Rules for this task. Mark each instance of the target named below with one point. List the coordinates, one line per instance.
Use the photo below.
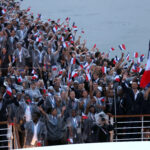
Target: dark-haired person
(5, 59)
(55, 125)
(74, 128)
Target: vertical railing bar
(142, 129)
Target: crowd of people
(57, 89)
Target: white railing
(131, 127)
(6, 142)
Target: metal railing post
(142, 129)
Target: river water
(107, 23)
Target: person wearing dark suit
(138, 99)
(5, 59)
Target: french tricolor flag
(122, 47)
(84, 116)
(104, 70)
(136, 54)
(55, 28)
(58, 21)
(102, 99)
(34, 77)
(139, 69)
(65, 44)
(62, 39)
(94, 46)
(74, 74)
(39, 16)
(19, 79)
(86, 65)
(128, 57)
(73, 61)
(134, 68)
(54, 68)
(60, 72)
(28, 9)
(9, 91)
(71, 38)
(88, 77)
(36, 34)
(44, 91)
(112, 49)
(81, 66)
(138, 61)
(75, 28)
(142, 58)
(70, 140)
(115, 60)
(67, 19)
(88, 69)
(33, 71)
(145, 80)
(117, 78)
(3, 11)
(38, 39)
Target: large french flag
(145, 80)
